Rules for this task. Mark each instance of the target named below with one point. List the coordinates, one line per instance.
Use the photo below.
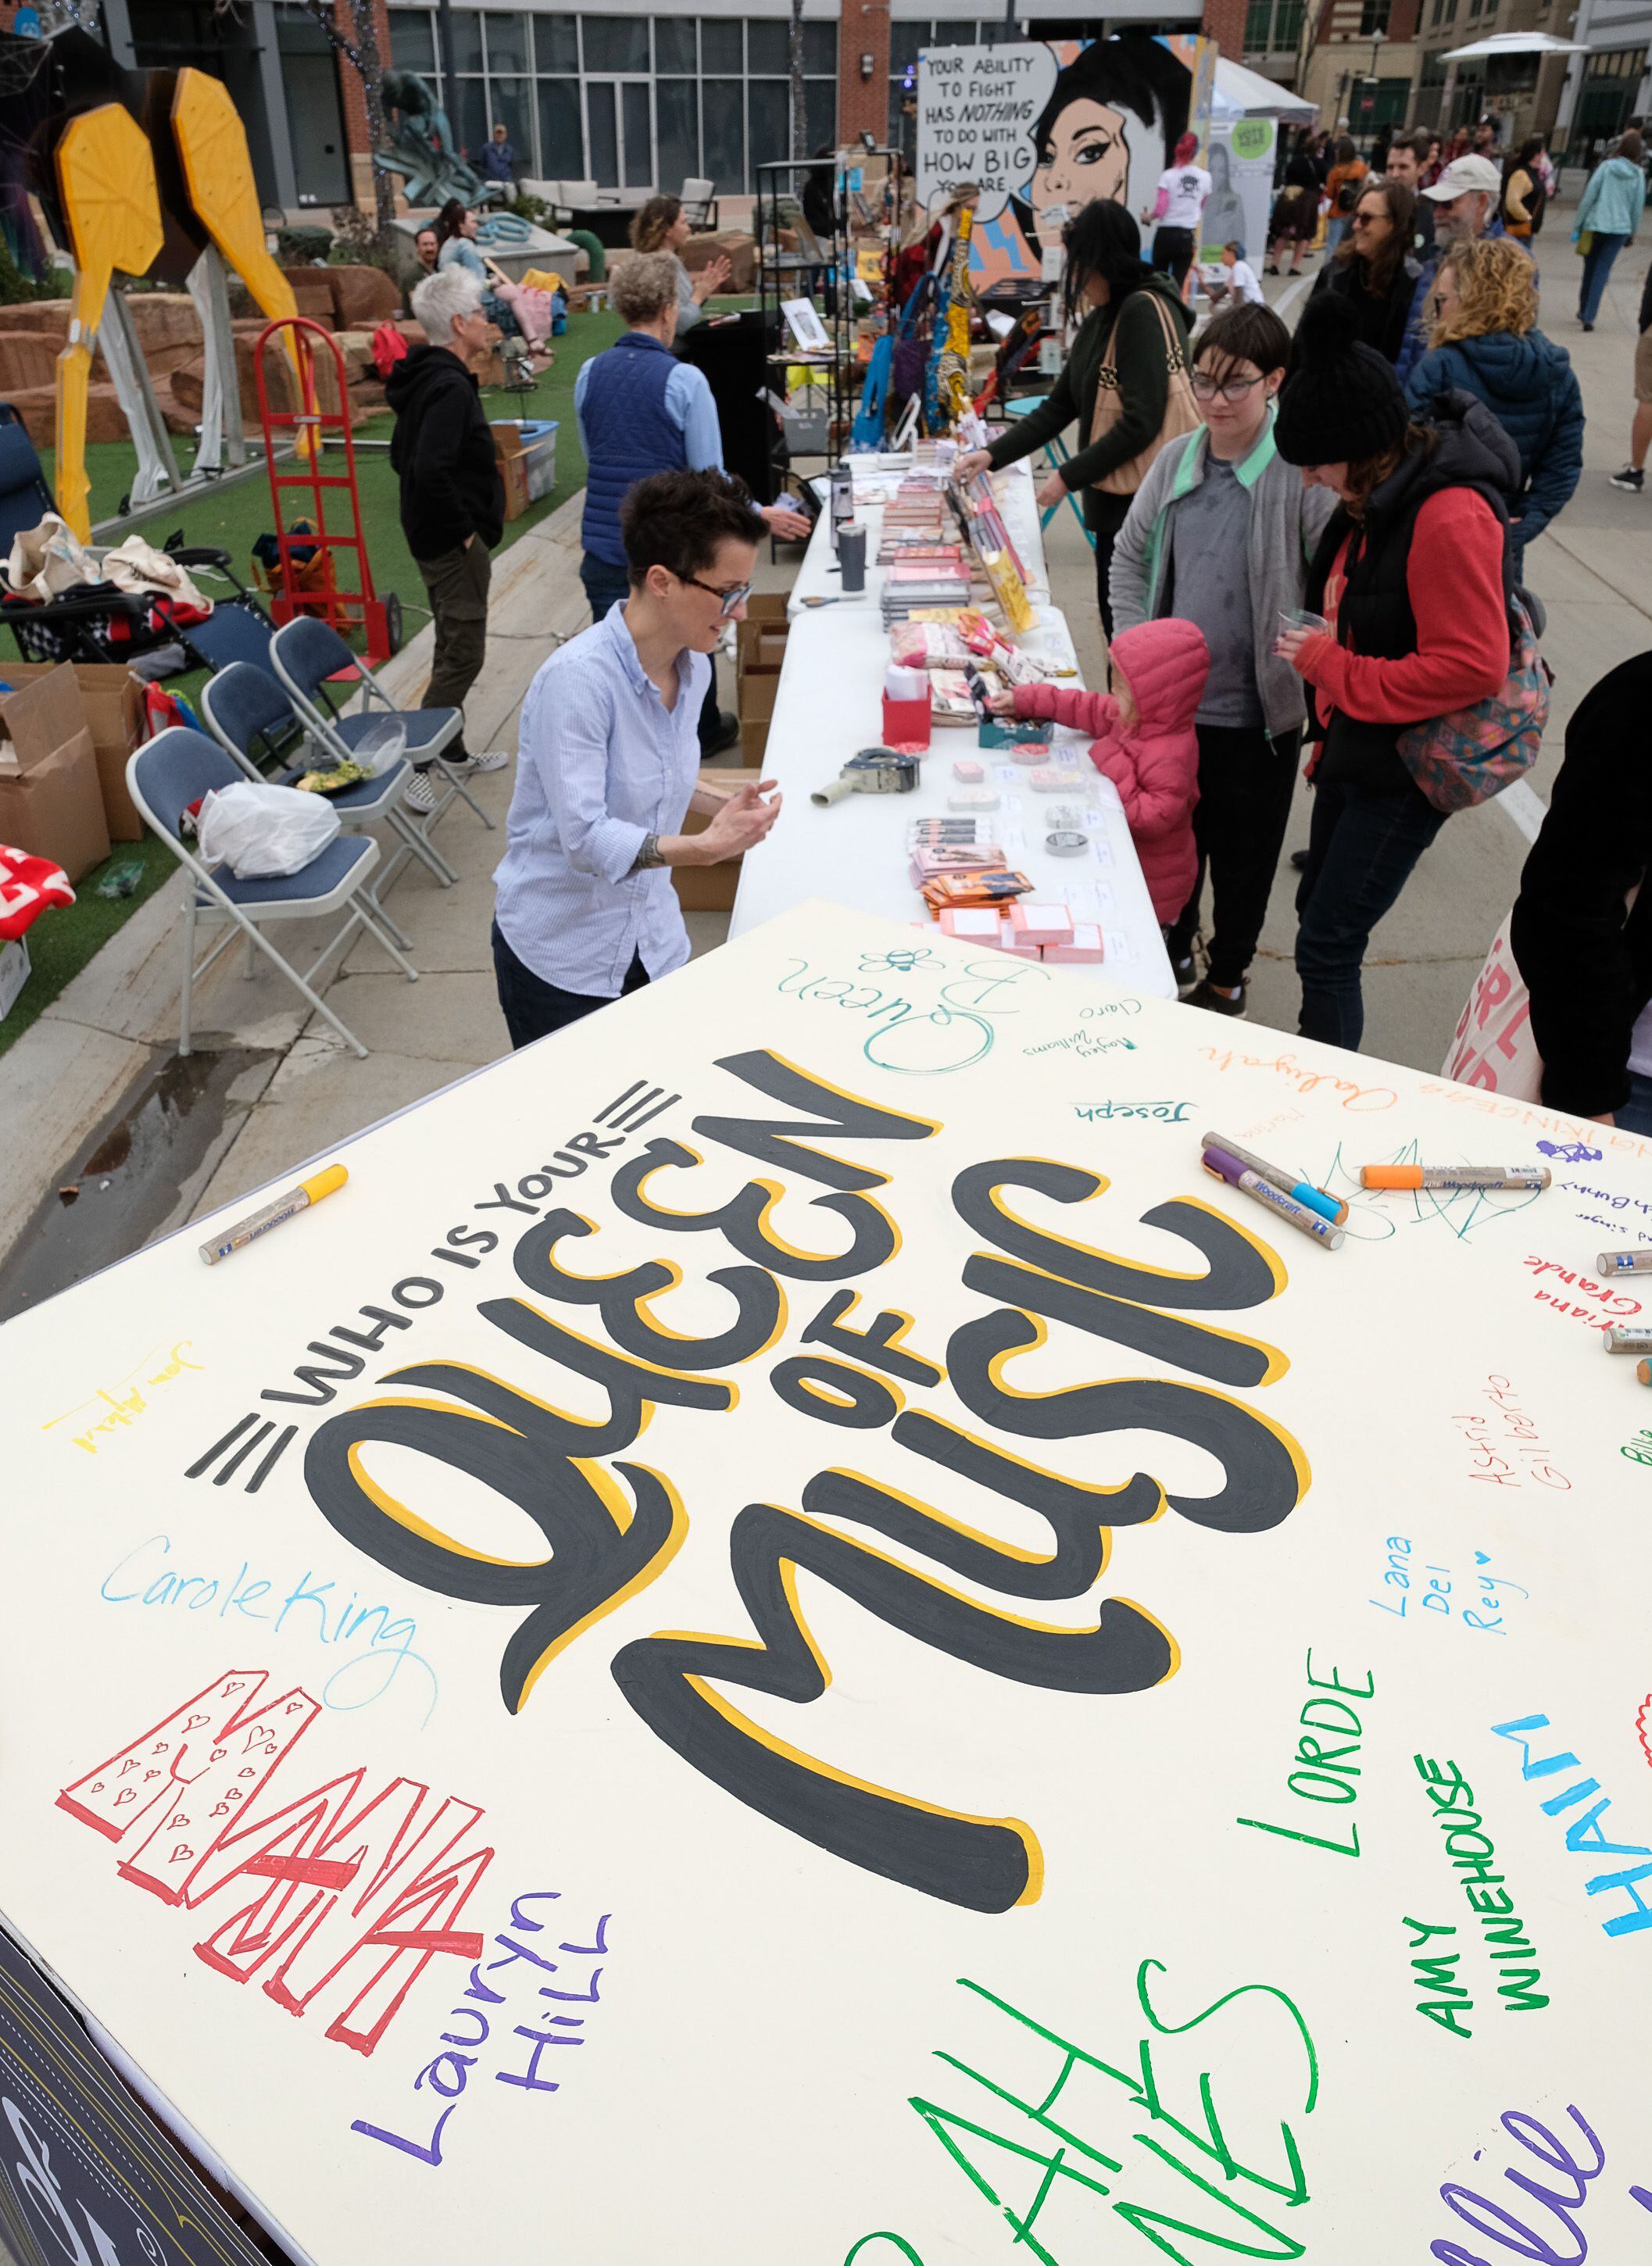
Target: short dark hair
(1245, 334)
(676, 520)
(1418, 142)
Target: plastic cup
(1299, 617)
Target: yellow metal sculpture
(218, 172)
(106, 178)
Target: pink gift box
(971, 924)
(1083, 951)
(1017, 947)
(1040, 924)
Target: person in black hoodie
(452, 498)
(1372, 267)
(1414, 576)
(1585, 953)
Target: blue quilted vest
(627, 434)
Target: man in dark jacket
(452, 499)
(1586, 954)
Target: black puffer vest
(1374, 616)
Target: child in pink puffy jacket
(1144, 742)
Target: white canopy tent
(1513, 43)
(1241, 94)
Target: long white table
(829, 705)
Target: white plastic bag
(262, 832)
(1493, 1047)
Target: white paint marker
(1625, 1263)
(288, 1207)
(1629, 1337)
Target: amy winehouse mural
(1107, 126)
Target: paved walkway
(284, 1092)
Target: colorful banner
(1045, 128)
(784, 1637)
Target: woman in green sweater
(1120, 303)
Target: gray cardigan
(1286, 522)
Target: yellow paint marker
(286, 1207)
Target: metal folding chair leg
(370, 923)
(415, 842)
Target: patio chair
(175, 769)
(251, 716)
(102, 624)
(699, 202)
(309, 658)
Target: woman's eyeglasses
(727, 599)
(1368, 220)
(1230, 389)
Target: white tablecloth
(829, 705)
(877, 478)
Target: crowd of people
(1312, 543)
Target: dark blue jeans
(605, 586)
(1635, 1116)
(1362, 848)
(533, 1008)
(1597, 268)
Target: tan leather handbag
(1181, 411)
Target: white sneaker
(494, 760)
(422, 793)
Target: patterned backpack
(1474, 753)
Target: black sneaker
(1631, 478)
(1299, 859)
(1206, 995)
(726, 735)
(1187, 975)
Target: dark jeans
(1103, 568)
(1635, 1115)
(1173, 253)
(1362, 848)
(533, 1008)
(458, 584)
(1244, 788)
(1598, 262)
(607, 586)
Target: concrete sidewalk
(93, 1093)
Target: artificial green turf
(61, 943)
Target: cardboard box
(49, 800)
(760, 640)
(754, 742)
(526, 455)
(113, 702)
(711, 888)
(759, 693)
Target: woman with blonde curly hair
(662, 225)
(1486, 342)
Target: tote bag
(1492, 1047)
(1181, 411)
(1474, 753)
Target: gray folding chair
(251, 716)
(175, 769)
(309, 657)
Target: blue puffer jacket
(1528, 384)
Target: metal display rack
(820, 270)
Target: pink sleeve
(1080, 712)
(1162, 203)
(1454, 580)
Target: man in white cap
(1466, 199)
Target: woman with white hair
(641, 410)
(452, 499)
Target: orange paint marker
(1455, 1176)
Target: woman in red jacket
(1145, 742)
(1413, 577)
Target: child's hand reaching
(1002, 704)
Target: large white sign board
(783, 1635)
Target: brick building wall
(863, 103)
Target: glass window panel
(602, 134)
(617, 43)
(768, 49)
(507, 103)
(467, 40)
(770, 121)
(470, 125)
(506, 44)
(412, 43)
(820, 50)
(639, 138)
(724, 137)
(677, 122)
(673, 44)
(1258, 16)
(720, 49)
(819, 111)
(905, 40)
(957, 32)
(561, 143)
(555, 44)
(1287, 25)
